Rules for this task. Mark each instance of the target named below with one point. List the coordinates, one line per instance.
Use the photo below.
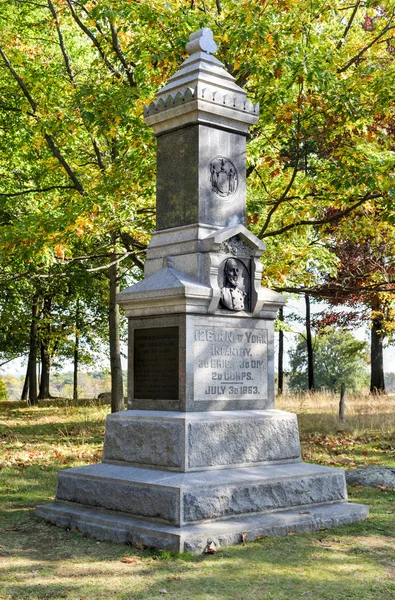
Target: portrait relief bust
(233, 296)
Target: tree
(364, 284)
(338, 358)
(77, 161)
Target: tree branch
(350, 22)
(51, 144)
(61, 42)
(38, 190)
(339, 291)
(331, 219)
(93, 39)
(355, 58)
(19, 80)
(10, 359)
(56, 152)
(283, 196)
(118, 51)
(98, 155)
(15, 109)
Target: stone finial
(201, 41)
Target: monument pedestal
(201, 456)
(219, 477)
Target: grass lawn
(38, 560)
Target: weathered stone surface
(372, 476)
(245, 498)
(184, 192)
(120, 489)
(123, 529)
(144, 441)
(256, 437)
(181, 498)
(216, 440)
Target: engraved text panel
(230, 363)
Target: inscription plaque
(156, 363)
(230, 363)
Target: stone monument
(201, 456)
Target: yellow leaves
(139, 107)
(59, 251)
(286, 112)
(82, 223)
(370, 136)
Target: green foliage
(77, 162)
(338, 358)
(3, 390)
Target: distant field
(40, 561)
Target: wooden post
(342, 403)
(280, 384)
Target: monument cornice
(225, 112)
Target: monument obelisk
(201, 456)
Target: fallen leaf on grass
(262, 537)
(210, 548)
(130, 560)
(291, 533)
(176, 577)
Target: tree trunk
(117, 400)
(44, 349)
(310, 355)
(377, 383)
(32, 366)
(25, 389)
(342, 402)
(280, 381)
(76, 352)
(45, 372)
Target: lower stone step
(184, 498)
(123, 529)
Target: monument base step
(186, 498)
(123, 529)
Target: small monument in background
(201, 456)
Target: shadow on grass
(287, 568)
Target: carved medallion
(223, 177)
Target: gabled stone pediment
(236, 241)
(166, 282)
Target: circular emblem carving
(223, 177)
